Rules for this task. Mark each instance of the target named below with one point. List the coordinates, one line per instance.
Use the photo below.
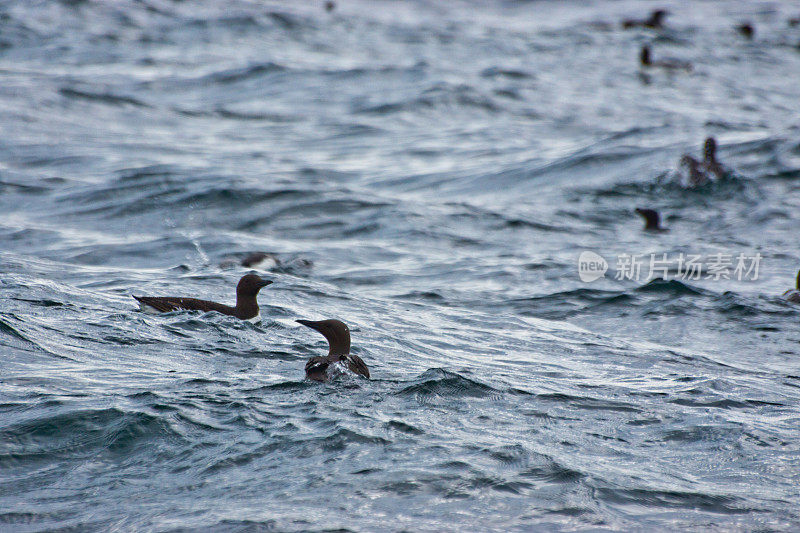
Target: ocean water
(428, 172)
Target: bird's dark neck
(246, 305)
(338, 346)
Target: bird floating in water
(656, 20)
(323, 368)
(246, 307)
(710, 163)
(265, 261)
(746, 30)
(695, 177)
(652, 219)
(646, 60)
(699, 173)
(260, 260)
(793, 295)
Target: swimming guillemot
(656, 20)
(695, 177)
(698, 173)
(338, 335)
(261, 260)
(246, 303)
(254, 260)
(669, 64)
(746, 30)
(652, 219)
(793, 295)
(265, 261)
(710, 164)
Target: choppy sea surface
(428, 172)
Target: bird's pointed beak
(309, 323)
(265, 282)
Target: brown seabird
(694, 174)
(746, 30)
(253, 260)
(669, 64)
(656, 20)
(246, 306)
(338, 335)
(265, 261)
(652, 219)
(793, 295)
(710, 163)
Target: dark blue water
(441, 165)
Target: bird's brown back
(172, 303)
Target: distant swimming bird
(656, 20)
(710, 164)
(694, 174)
(793, 295)
(698, 173)
(246, 304)
(323, 368)
(670, 64)
(330, 5)
(254, 260)
(260, 260)
(265, 261)
(652, 219)
(746, 30)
